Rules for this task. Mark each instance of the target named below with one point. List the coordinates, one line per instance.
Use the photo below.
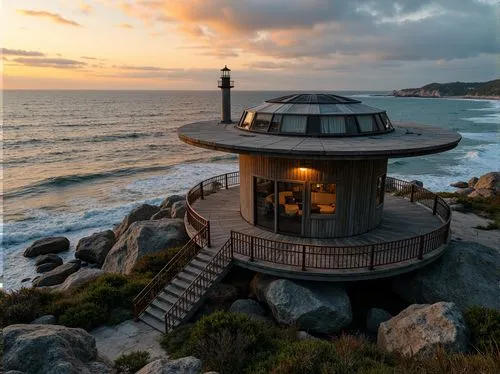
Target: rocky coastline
(415, 314)
(464, 90)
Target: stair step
(152, 321)
(167, 298)
(162, 304)
(180, 283)
(173, 290)
(156, 312)
(186, 276)
(204, 257)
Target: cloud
(146, 68)
(58, 63)
(21, 52)
(125, 26)
(86, 8)
(54, 17)
(89, 58)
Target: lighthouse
(225, 84)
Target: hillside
(483, 89)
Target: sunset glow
(305, 44)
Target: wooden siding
(356, 181)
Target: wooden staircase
(179, 299)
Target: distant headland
(474, 90)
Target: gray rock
(464, 191)
(460, 184)
(48, 319)
(421, 328)
(489, 181)
(222, 292)
(48, 258)
(179, 209)
(48, 266)
(164, 213)
(43, 246)
(56, 276)
(417, 183)
(77, 279)
(142, 238)
(247, 306)
(375, 317)
(472, 182)
(25, 280)
(94, 248)
(302, 335)
(169, 201)
(466, 274)
(48, 349)
(316, 307)
(141, 213)
(185, 365)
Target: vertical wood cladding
(356, 181)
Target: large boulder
(43, 246)
(179, 209)
(94, 248)
(460, 184)
(472, 182)
(312, 306)
(50, 349)
(141, 238)
(482, 192)
(247, 306)
(422, 328)
(48, 258)
(185, 365)
(467, 274)
(170, 200)
(375, 317)
(75, 280)
(489, 181)
(164, 213)
(464, 191)
(48, 266)
(48, 319)
(141, 213)
(56, 276)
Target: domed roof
(315, 115)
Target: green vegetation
(488, 207)
(131, 362)
(484, 324)
(233, 343)
(490, 88)
(105, 300)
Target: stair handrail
(204, 280)
(169, 271)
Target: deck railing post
(201, 191)
(303, 257)
(434, 208)
(208, 234)
(227, 186)
(251, 249)
(372, 256)
(421, 248)
(232, 244)
(412, 192)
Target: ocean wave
(491, 137)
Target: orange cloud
(125, 26)
(54, 17)
(85, 8)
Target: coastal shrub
(488, 207)
(24, 305)
(86, 316)
(131, 362)
(484, 325)
(152, 263)
(175, 342)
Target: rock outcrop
(490, 181)
(56, 276)
(48, 258)
(94, 248)
(421, 328)
(185, 365)
(251, 308)
(141, 238)
(316, 307)
(375, 317)
(44, 246)
(47, 319)
(170, 200)
(141, 213)
(164, 213)
(75, 280)
(467, 274)
(50, 349)
(472, 182)
(179, 209)
(488, 185)
(460, 184)
(48, 266)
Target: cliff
(476, 89)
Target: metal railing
(169, 271)
(199, 286)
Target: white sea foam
(493, 116)
(491, 137)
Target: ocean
(76, 162)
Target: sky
(268, 44)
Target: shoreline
(486, 98)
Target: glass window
(351, 125)
(264, 202)
(380, 189)
(294, 124)
(275, 123)
(332, 125)
(262, 121)
(247, 121)
(380, 123)
(313, 125)
(323, 198)
(366, 123)
(387, 122)
(290, 203)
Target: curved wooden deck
(404, 223)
